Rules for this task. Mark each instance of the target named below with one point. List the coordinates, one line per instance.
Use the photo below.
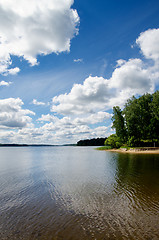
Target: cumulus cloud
(35, 102)
(81, 113)
(69, 129)
(148, 43)
(83, 98)
(48, 134)
(4, 83)
(12, 115)
(27, 30)
(12, 71)
(120, 62)
(131, 77)
(47, 118)
(90, 119)
(73, 132)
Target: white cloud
(70, 129)
(5, 63)
(4, 83)
(12, 115)
(84, 107)
(13, 71)
(35, 102)
(48, 134)
(72, 132)
(47, 118)
(78, 60)
(120, 62)
(92, 118)
(86, 98)
(74, 121)
(99, 131)
(148, 43)
(132, 75)
(36, 28)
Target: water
(76, 193)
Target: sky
(64, 64)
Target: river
(78, 193)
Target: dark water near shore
(76, 193)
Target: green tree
(155, 105)
(144, 115)
(118, 124)
(114, 141)
(139, 121)
(131, 112)
(154, 126)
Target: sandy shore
(135, 151)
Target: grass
(126, 147)
(104, 148)
(109, 147)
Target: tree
(114, 141)
(141, 118)
(155, 105)
(154, 126)
(118, 124)
(144, 115)
(131, 112)
(91, 142)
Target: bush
(113, 141)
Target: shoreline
(134, 151)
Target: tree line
(138, 123)
(92, 142)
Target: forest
(91, 142)
(137, 124)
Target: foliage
(118, 124)
(92, 142)
(155, 105)
(113, 141)
(155, 116)
(136, 125)
(138, 117)
(104, 148)
(139, 120)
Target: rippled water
(71, 193)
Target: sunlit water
(71, 193)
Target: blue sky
(64, 64)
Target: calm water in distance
(78, 193)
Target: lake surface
(76, 193)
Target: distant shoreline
(34, 145)
(25, 145)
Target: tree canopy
(92, 142)
(138, 122)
